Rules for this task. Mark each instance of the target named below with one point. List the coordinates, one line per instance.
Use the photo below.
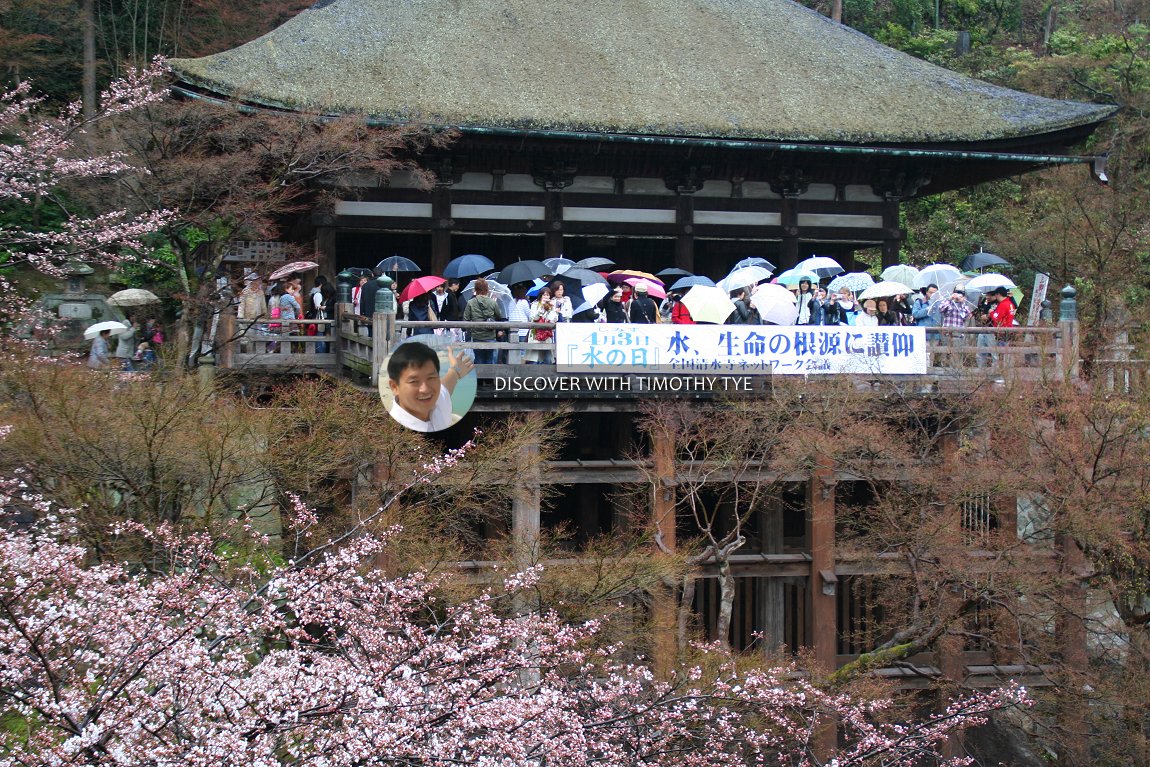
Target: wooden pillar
(949, 649)
(664, 615)
(770, 607)
(789, 218)
(226, 339)
(823, 582)
(553, 221)
(442, 224)
(525, 524)
(1070, 629)
(325, 251)
(382, 327)
(685, 233)
(892, 233)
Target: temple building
(658, 133)
(691, 133)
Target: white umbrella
(856, 282)
(945, 276)
(985, 282)
(744, 278)
(776, 304)
(559, 264)
(708, 304)
(497, 290)
(823, 266)
(885, 289)
(595, 293)
(903, 273)
(94, 330)
(133, 297)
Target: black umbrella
(673, 273)
(467, 266)
(981, 260)
(574, 280)
(523, 271)
(398, 264)
(595, 263)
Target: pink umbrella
(419, 286)
(653, 288)
(294, 266)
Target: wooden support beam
(441, 227)
(664, 612)
(525, 507)
(823, 584)
(685, 233)
(553, 223)
(770, 606)
(893, 234)
(789, 254)
(325, 251)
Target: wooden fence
(349, 347)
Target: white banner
(739, 349)
(1041, 285)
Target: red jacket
(1002, 315)
(680, 315)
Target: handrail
(1032, 353)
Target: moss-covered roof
(767, 69)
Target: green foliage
(934, 45)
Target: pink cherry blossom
(327, 661)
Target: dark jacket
(367, 298)
(615, 311)
(643, 310)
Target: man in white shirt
(422, 399)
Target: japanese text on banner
(740, 349)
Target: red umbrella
(294, 266)
(419, 286)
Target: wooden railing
(282, 345)
(349, 346)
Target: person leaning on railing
(483, 308)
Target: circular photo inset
(428, 383)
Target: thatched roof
(766, 69)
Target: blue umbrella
(467, 266)
(398, 264)
(692, 281)
(537, 288)
(754, 261)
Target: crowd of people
(132, 350)
(283, 308)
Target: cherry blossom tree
(233, 656)
(43, 155)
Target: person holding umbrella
(561, 301)
(126, 344)
(613, 308)
(483, 308)
(98, 357)
(643, 309)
